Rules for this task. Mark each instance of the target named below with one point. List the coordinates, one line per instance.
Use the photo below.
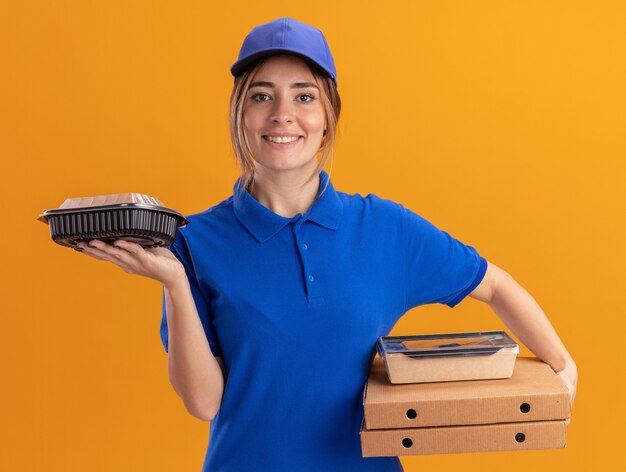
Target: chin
(285, 163)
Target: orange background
(501, 122)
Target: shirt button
(311, 278)
(305, 247)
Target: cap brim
(240, 67)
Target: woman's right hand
(155, 262)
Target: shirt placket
(310, 276)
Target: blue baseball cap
(285, 35)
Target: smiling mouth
(282, 139)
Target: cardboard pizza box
(463, 439)
(533, 393)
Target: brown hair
(330, 101)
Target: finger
(139, 250)
(104, 252)
(114, 253)
(93, 252)
(128, 246)
(103, 256)
(160, 251)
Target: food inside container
(133, 217)
(448, 357)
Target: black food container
(133, 217)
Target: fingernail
(91, 245)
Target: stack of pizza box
(453, 402)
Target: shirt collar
(263, 223)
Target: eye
(259, 97)
(309, 97)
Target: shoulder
(371, 206)
(204, 223)
(217, 211)
(369, 203)
(380, 211)
(216, 214)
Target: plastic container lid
(113, 201)
(430, 346)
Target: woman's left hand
(569, 376)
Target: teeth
(277, 139)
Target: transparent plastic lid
(447, 345)
(112, 199)
(108, 202)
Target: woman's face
(283, 116)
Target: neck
(286, 193)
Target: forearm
(524, 317)
(194, 372)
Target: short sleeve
(180, 250)
(441, 269)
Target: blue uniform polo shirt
(295, 305)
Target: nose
(282, 111)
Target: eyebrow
(294, 85)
